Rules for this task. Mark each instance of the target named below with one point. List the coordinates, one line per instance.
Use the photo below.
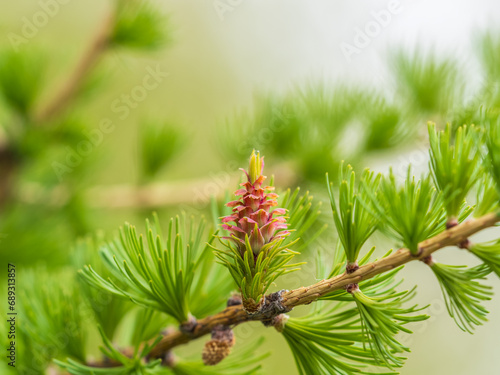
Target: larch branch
(75, 81)
(235, 315)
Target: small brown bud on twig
(351, 267)
(234, 300)
(189, 326)
(219, 347)
(215, 351)
(351, 288)
(465, 244)
(279, 322)
(428, 260)
(168, 359)
(452, 222)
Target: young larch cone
(219, 347)
(254, 221)
(215, 351)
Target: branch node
(351, 267)
(418, 254)
(428, 260)
(351, 288)
(464, 244)
(234, 300)
(452, 222)
(253, 308)
(189, 326)
(279, 322)
(273, 307)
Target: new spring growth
(255, 224)
(255, 251)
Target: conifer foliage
(350, 329)
(148, 289)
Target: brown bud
(351, 267)
(428, 260)
(215, 351)
(219, 347)
(352, 288)
(452, 222)
(223, 333)
(279, 322)
(168, 359)
(189, 326)
(234, 300)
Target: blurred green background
(241, 75)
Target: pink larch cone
(253, 216)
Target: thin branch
(193, 192)
(449, 237)
(9, 162)
(230, 316)
(75, 81)
(235, 314)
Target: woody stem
(234, 315)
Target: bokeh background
(278, 76)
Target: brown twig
(234, 315)
(73, 84)
(9, 162)
(194, 192)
